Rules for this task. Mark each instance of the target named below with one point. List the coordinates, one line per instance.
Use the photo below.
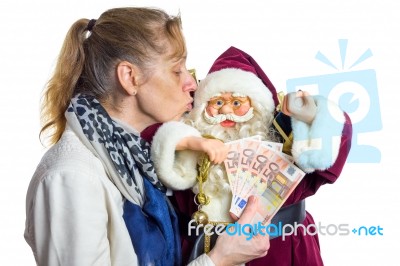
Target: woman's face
(166, 94)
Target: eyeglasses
(235, 102)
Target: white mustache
(214, 120)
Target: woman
(95, 198)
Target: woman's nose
(190, 84)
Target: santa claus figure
(237, 100)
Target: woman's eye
(178, 72)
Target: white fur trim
(316, 146)
(237, 81)
(163, 154)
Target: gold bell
(200, 217)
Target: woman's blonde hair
(88, 57)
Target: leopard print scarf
(126, 155)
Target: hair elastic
(91, 24)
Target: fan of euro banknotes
(256, 167)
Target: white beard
(260, 124)
(217, 186)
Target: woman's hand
(236, 249)
(216, 150)
(300, 105)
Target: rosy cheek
(243, 109)
(211, 111)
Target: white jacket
(74, 212)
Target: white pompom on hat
(237, 72)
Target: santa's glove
(300, 105)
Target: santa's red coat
(295, 250)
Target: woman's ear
(128, 76)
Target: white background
(283, 37)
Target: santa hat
(236, 71)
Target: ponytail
(60, 88)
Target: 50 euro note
(244, 174)
(276, 179)
(232, 162)
(250, 162)
(276, 146)
(263, 155)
